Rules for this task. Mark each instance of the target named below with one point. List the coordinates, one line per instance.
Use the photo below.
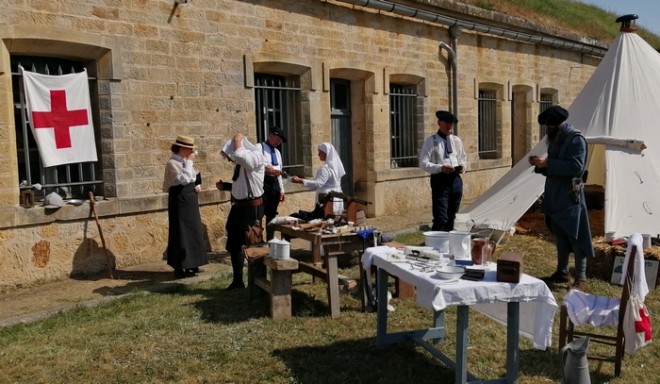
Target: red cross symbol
(643, 325)
(60, 119)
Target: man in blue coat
(563, 200)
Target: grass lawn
(201, 334)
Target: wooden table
(526, 308)
(333, 245)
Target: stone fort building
(367, 76)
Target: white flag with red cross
(60, 115)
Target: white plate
(444, 281)
(75, 202)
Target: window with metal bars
(69, 180)
(545, 103)
(487, 124)
(404, 140)
(277, 103)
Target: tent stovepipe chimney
(626, 21)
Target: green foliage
(584, 19)
(485, 4)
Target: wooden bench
(260, 268)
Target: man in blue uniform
(563, 199)
(443, 156)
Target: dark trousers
(565, 245)
(271, 196)
(446, 194)
(240, 218)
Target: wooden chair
(567, 331)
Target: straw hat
(184, 141)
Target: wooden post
(280, 286)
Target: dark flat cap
(278, 132)
(554, 115)
(446, 116)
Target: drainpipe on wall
(451, 50)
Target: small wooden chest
(509, 267)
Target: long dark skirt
(185, 243)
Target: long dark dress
(185, 244)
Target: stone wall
(163, 69)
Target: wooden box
(509, 267)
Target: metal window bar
(72, 180)
(545, 103)
(277, 102)
(487, 124)
(403, 126)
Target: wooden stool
(256, 268)
(279, 285)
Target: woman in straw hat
(185, 244)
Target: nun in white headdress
(328, 177)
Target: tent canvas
(617, 113)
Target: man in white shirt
(443, 156)
(247, 198)
(273, 185)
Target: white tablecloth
(537, 309)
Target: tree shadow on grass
(360, 361)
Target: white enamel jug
(460, 245)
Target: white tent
(618, 113)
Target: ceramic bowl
(448, 272)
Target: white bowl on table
(448, 272)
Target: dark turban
(554, 115)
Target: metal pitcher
(575, 367)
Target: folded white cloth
(585, 308)
(283, 220)
(228, 148)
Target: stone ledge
(17, 216)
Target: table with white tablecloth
(526, 308)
